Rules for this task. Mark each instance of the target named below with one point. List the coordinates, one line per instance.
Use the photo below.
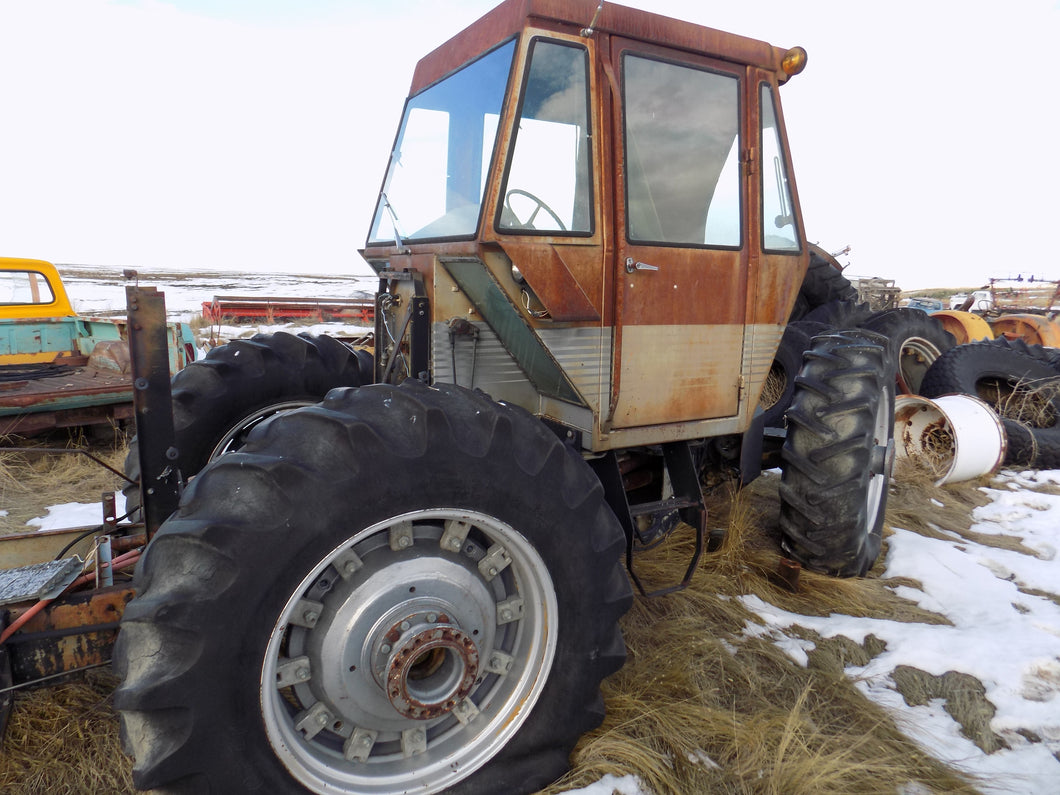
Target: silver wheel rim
(409, 655)
(914, 359)
(236, 436)
(882, 461)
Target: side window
(548, 184)
(681, 126)
(25, 287)
(779, 232)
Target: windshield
(437, 175)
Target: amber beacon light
(794, 61)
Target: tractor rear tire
(402, 588)
(916, 340)
(823, 283)
(219, 399)
(838, 454)
(839, 314)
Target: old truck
(403, 571)
(58, 369)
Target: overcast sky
(253, 134)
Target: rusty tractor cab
(588, 242)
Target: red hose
(121, 562)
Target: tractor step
(38, 581)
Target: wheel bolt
(432, 617)
(385, 648)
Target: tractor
(403, 570)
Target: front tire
(399, 589)
(838, 454)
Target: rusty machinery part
(964, 326)
(824, 282)
(1033, 329)
(1023, 388)
(916, 340)
(218, 400)
(838, 454)
(389, 594)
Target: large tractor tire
(1021, 385)
(219, 399)
(839, 314)
(838, 454)
(824, 282)
(1049, 355)
(915, 341)
(400, 589)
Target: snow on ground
(1005, 632)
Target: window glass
(434, 184)
(25, 287)
(548, 184)
(681, 127)
(779, 232)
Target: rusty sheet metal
(675, 373)
(571, 16)
(549, 271)
(69, 389)
(77, 632)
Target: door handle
(632, 265)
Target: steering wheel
(539, 206)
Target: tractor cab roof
(588, 17)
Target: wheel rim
(409, 655)
(237, 434)
(914, 359)
(881, 464)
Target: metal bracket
(687, 500)
(153, 402)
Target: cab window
(681, 131)
(547, 187)
(779, 232)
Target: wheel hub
(430, 670)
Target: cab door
(681, 281)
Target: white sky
(252, 135)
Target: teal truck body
(58, 369)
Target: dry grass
(30, 481)
(699, 707)
(63, 740)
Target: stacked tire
(1020, 381)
